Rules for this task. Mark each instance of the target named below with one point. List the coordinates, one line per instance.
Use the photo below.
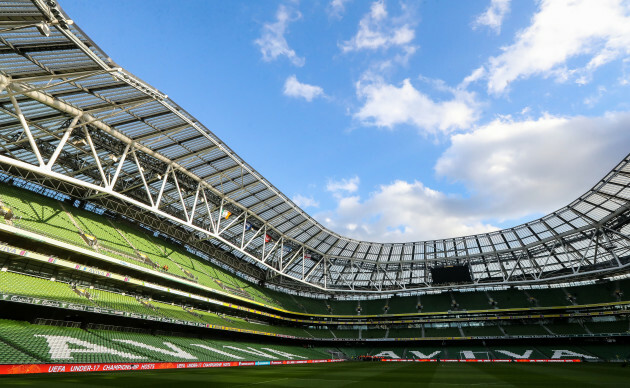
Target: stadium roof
(70, 113)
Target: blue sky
(394, 120)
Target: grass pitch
(364, 375)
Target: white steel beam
(26, 128)
(62, 142)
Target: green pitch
(364, 375)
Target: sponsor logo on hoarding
(119, 367)
(12, 250)
(21, 299)
(56, 368)
(84, 368)
(528, 354)
(50, 303)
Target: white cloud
(304, 202)
(493, 16)
(336, 8)
(477, 74)
(272, 43)
(591, 32)
(512, 170)
(388, 105)
(377, 31)
(517, 168)
(294, 88)
(593, 99)
(402, 211)
(344, 185)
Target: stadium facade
(120, 209)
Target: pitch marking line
(262, 382)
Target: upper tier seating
(348, 307)
(548, 297)
(596, 293)
(436, 302)
(41, 288)
(65, 222)
(401, 305)
(507, 299)
(373, 306)
(25, 285)
(477, 300)
(121, 240)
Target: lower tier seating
(24, 343)
(21, 342)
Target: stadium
(136, 246)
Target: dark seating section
(436, 302)
(620, 326)
(344, 307)
(526, 329)
(373, 306)
(373, 333)
(482, 331)
(476, 300)
(567, 328)
(415, 332)
(547, 297)
(596, 293)
(441, 332)
(402, 304)
(507, 299)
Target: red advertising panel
(62, 368)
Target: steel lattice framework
(73, 120)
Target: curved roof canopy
(73, 120)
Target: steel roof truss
(26, 128)
(164, 179)
(181, 197)
(85, 74)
